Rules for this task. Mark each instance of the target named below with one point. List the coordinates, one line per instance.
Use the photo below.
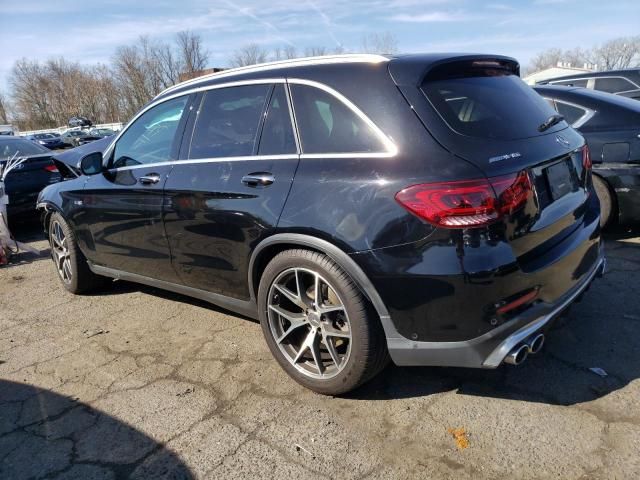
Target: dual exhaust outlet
(520, 352)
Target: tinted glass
(328, 126)
(488, 104)
(613, 85)
(150, 137)
(572, 83)
(17, 147)
(277, 134)
(570, 113)
(228, 121)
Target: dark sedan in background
(75, 138)
(620, 82)
(25, 182)
(611, 126)
(47, 140)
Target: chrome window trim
(391, 149)
(586, 116)
(294, 62)
(291, 156)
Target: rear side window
(228, 121)
(614, 84)
(327, 125)
(487, 102)
(571, 113)
(277, 134)
(572, 83)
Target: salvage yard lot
(143, 383)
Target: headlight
(41, 142)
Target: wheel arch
(615, 212)
(268, 248)
(47, 209)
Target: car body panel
(208, 235)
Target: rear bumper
(489, 350)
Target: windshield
(488, 103)
(9, 147)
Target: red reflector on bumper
(526, 298)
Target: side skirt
(242, 307)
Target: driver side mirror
(91, 164)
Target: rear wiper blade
(550, 122)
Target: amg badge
(504, 157)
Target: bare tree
(382, 43)
(286, 52)
(249, 55)
(316, 51)
(618, 53)
(4, 109)
(191, 52)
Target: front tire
(71, 264)
(318, 325)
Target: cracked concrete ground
(139, 383)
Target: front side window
(228, 121)
(327, 125)
(614, 84)
(150, 136)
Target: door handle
(258, 179)
(149, 179)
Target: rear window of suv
(487, 102)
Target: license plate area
(554, 181)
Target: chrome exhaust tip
(535, 343)
(517, 355)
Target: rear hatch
(479, 109)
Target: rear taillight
(467, 203)
(586, 158)
(51, 168)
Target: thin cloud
(327, 22)
(433, 17)
(275, 31)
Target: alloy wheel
(309, 323)
(60, 252)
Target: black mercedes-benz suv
(428, 208)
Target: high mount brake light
(467, 203)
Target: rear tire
(318, 325)
(606, 200)
(71, 264)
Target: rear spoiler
(411, 70)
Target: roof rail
(322, 60)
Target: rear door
(227, 192)
(122, 207)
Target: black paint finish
(198, 229)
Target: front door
(123, 206)
(229, 190)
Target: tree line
(618, 53)
(46, 94)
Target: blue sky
(90, 31)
